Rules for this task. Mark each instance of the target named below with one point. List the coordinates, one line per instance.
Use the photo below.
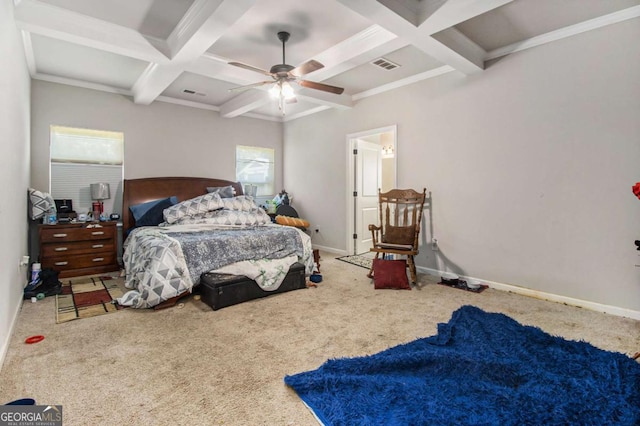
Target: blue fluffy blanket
(481, 369)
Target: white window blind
(256, 165)
(80, 157)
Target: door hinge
(355, 193)
(355, 151)
(355, 236)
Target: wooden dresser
(79, 248)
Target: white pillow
(41, 203)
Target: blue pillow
(223, 191)
(140, 209)
(153, 216)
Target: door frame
(351, 177)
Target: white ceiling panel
(207, 90)
(156, 18)
(315, 26)
(158, 48)
(59, 58)
(410, 61)
(523, 19)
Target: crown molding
(591, 24)
(28, 52)
(51, 21)
(81, 84)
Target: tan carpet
(194, 366)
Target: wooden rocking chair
(400, 219)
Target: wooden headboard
(138, 191)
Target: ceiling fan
(283, 75)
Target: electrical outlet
(24, 261)
(434, 244)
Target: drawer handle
(61, 263)
(97, 246)
(97, 233)
(59, 235)
(98, 259)
(61, 249)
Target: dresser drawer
(55, 234)
(77, 247)
(80, 261)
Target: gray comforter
(164, 262)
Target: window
(80, 157)
(255, 165)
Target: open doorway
(371, 164)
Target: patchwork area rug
(483, 369)
(85, 297)
(357, 259)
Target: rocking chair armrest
(376, 232)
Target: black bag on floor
(47, 284)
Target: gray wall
(160, 139)
(14, 172)
(530, 165)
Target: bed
(203, 229)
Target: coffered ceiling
(179, 50)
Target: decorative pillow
(139, 210)
(200, 204)
(292, 221)
(154, 216)
(227, 217)
(399, 234)
(224, 191)
(390, 274)
(41, 203)
(241, 202)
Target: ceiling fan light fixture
(275, 91)
(286, 90)
(283, 74)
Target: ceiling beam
(245, 102)
(214, 66)
(50, 21)
(326, 99)
(453, 12)
(367, 45)
(418, 24)
(203, 24)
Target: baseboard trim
(5, 345)
(598, 307)
(330, 250)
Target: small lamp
(99, 192)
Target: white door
(368, 178)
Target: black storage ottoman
(222, 290)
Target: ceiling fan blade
(306, 68)
(250, 68)
(250, 86)
(320, 86)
